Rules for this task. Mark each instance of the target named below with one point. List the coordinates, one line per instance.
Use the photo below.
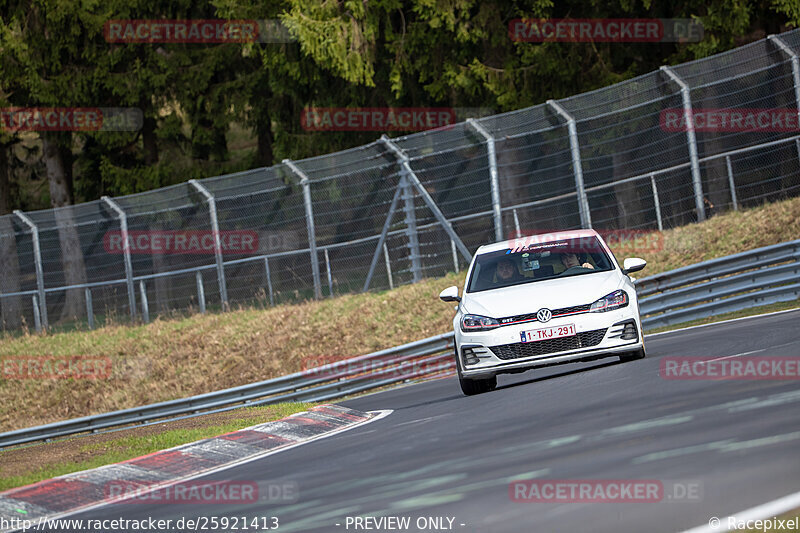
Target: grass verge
(174, 358)
(24, 465)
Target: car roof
(539, 238)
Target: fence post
(269, 281)
(312, 237)
(388, 266)
(795, 66)
(328, 270)
(201, 291)
(382, 238)
(37, 320)
(795, 74)
(516, 225)
(126, 252)
(577, 168)
(145, 308)
(89, 309)
(656, 201)
(692, 141)
(731, 183)
(455, 255)
(426, 197)
(493, 181)
(411, 226)
(212, 210)
(37, 259)
(797, 144)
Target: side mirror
(450, 294)
(633, 264)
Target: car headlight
(609, 302)
(478, 323)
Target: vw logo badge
(544, 315)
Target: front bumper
(500, 351)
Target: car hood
(553, 294)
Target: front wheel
(471, 387)
(632, 356)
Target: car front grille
(518, 350)
(556, 313)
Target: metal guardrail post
(692, 141)
(212, 210)
(577, 168)
(312, 237)
(493, 180)
(37, 259)
(517, 231)
(126, 252)
(656, 202)
(426, 197)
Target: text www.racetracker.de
(200, 523)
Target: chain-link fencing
(661, 150)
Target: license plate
(544, 334)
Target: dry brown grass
(175, 358)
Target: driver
(570, 260)
(506, 271)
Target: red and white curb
(82, 490)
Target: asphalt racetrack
(717, 447)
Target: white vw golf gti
(540, 301)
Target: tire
(632, 356)
(471, 387)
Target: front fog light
(469, 357)
(629, 332)
(625, 330)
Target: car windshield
(538, 262)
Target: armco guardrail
(758, 277)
